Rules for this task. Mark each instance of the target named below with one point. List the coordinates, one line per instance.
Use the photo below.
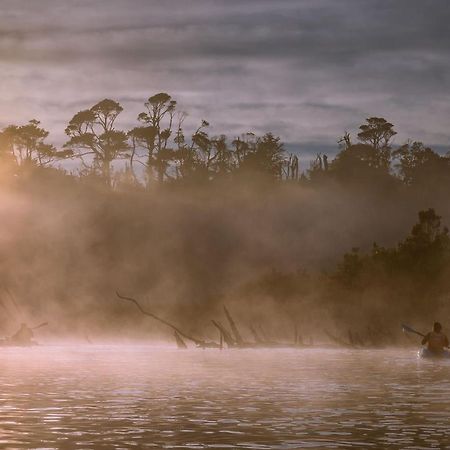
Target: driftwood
(224, 334)
(234, 329)
(43, 324)
(180, 343)
(198, 342)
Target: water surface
(118, 397)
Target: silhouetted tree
(92, 132)
(345, 141)
(418, 259)
(426, 251)
(26, 145)
(378, 132)
(158, 118)
(223, 162)
(359, 163)
(265, 156)
(420, 165)
(292, 167)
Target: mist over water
(155, 397)
(68, 246)
(224, 225)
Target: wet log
(234, 329)
(225, 334)
(200, 343)
(180, 343)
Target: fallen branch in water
(43, 324)
(180, 343)
(234, 328)
(226, 336)
(197, 342)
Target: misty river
(91, 397)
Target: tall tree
(26, 144)
(378, 133)
(92, 132)
(264, 155)
(420, 165)
(158, 119)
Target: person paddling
(435, 340)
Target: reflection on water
(145, 397)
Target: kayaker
(23, 336)
(435, 340)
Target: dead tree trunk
(234, 329)
(198, 342)
(180, 343)
(225, 334)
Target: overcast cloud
(306, 70)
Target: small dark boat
(424, 353)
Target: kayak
(426, 354)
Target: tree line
(261, 229)
(157, 150)
(368, 294)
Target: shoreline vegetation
(344, 249)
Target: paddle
(43, 324)
(408, 329)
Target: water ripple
(109, 397)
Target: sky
(305, 70)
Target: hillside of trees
(349, 246)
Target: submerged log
(198, 342)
